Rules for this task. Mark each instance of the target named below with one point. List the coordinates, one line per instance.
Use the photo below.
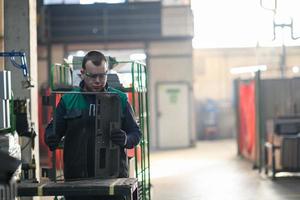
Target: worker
(74, 119)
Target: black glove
(51, 139)
(118, 136)
(53, 142)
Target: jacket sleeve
(56, 128)
(131, 128)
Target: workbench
(126, 187)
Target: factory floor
(212, 171)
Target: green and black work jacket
(75, 119)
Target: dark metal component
(260, 121)
(8, 167)
(290, 153)
(22, 117)
(126, 187)
(8, 191)
(108, 118)
(28, 171)
(53, 169)
(282, 61)
(237, 113)
(287, 125)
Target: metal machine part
(26, 83)
(22, 117)
(108, 117)
(26, 139)
(7, 183)
(287, 125)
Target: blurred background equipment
(210, 121)
(21, 64)
(8, 189)
(282, 147)
(27, 135)
(16, 133)
(267, 123)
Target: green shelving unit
(140, 104)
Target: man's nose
(98, 79)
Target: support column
(20, 35)
(1, 33)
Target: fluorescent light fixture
(70, 58)
(137, 56)
(248, 69)
(80, 53)
(295, 69)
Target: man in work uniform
(75, 119)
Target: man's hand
(118, 136)
(52, 142)
(51, 139)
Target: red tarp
(247, 119)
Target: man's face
(94, 77)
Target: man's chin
(94, 89)
(97, 89)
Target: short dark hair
(95, 56)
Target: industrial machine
(16, 133)
(282, 148)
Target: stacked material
(61, 77)
(5, 97)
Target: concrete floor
(212, 171)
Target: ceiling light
(296, 69)
(248, 69)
